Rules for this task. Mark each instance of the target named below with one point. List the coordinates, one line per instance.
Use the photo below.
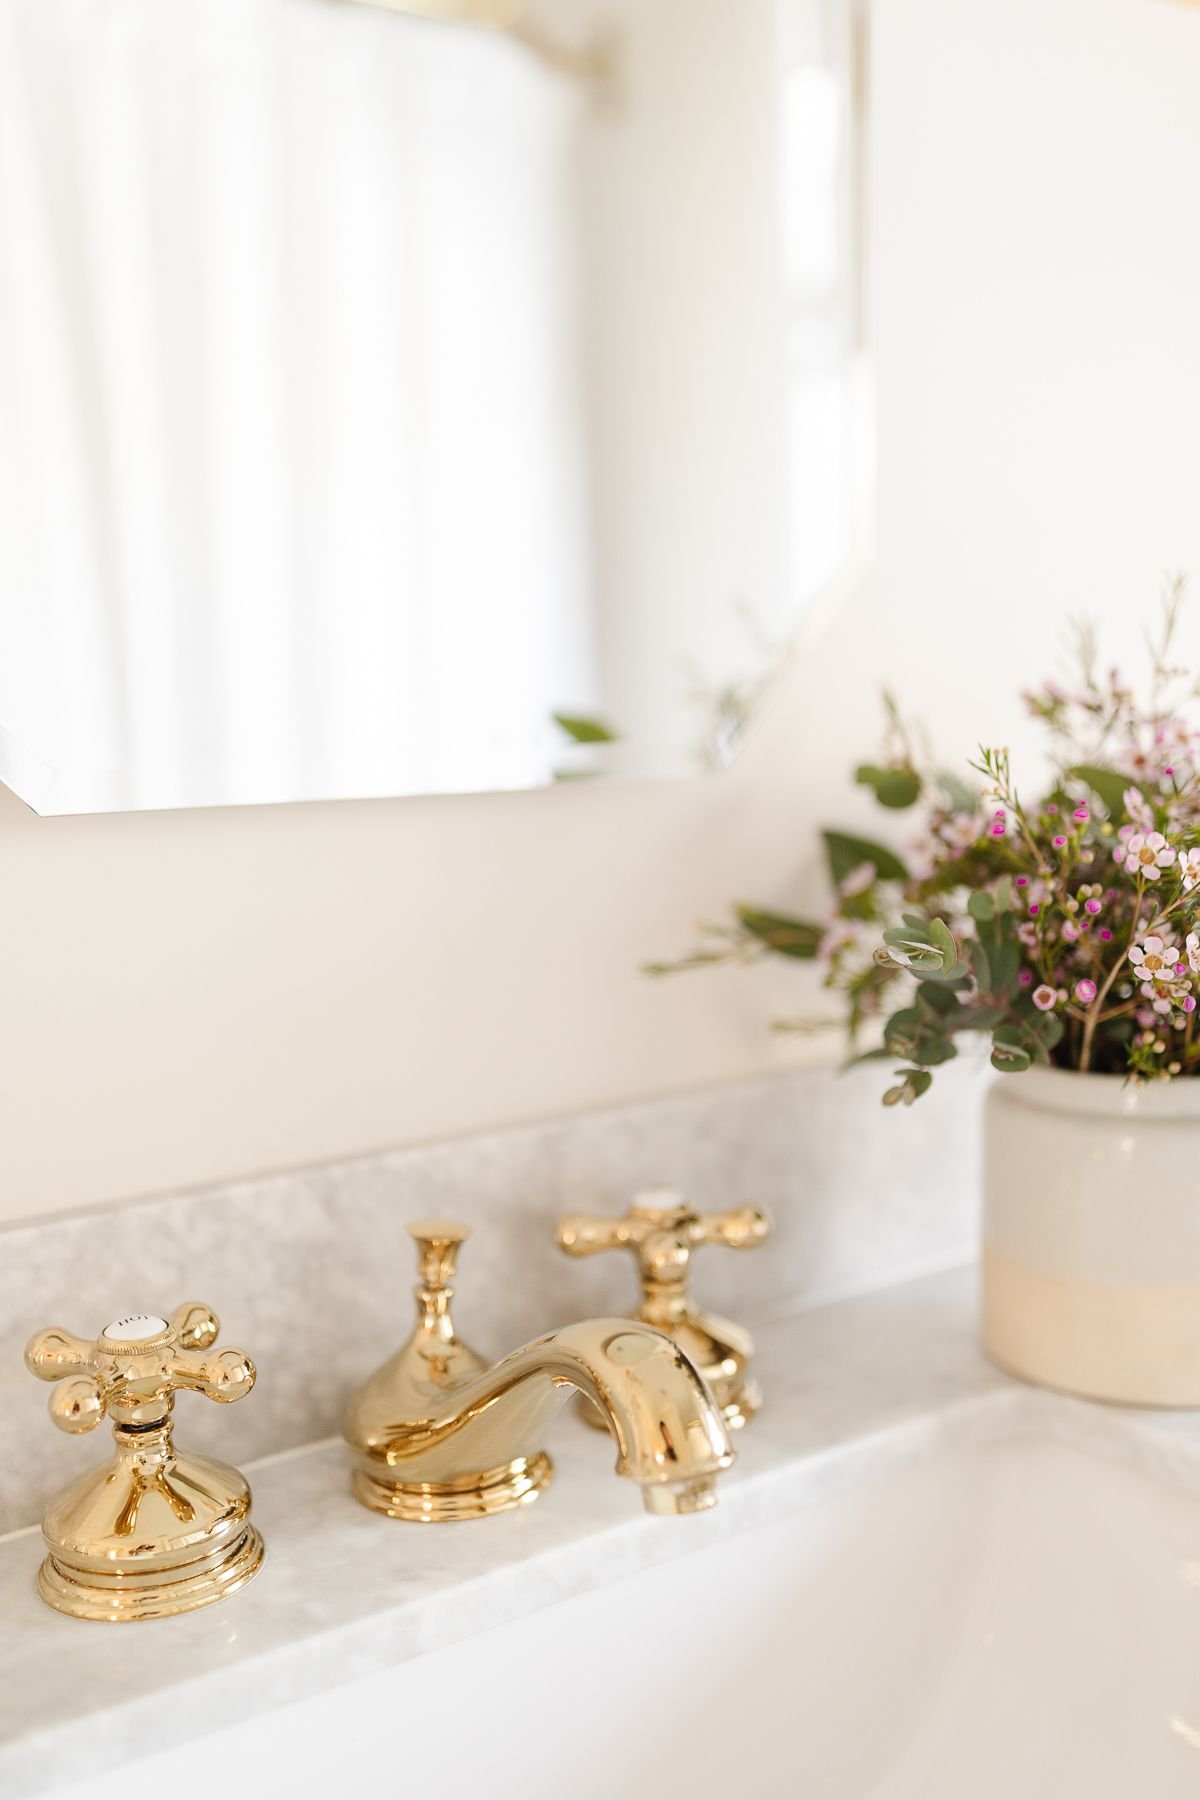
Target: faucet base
(150, 1594)
(466, 1497)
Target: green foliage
(893, 787)
(847, 853)
(582, 730)
(781, 934)
(912, 1084)
(1009, 1054)
(1108, 786)
(1018, 921)
(925, 947)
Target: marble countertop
(851, 1388)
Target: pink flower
(1080, 815)
(1152, 959)
(1034, 909)
(1106, 934)
(1059, 842)
(1148, 854)
(1085, 991)
(1189, 869)
(1188, 1003)
(1021, 881)
(1091, 906)
(998, 830)
(1044, 997)
(1025, 978)
(1070, 932)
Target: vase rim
(1113, 1096)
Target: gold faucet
(663, 1232)
(439, 1435)
(154, 1531)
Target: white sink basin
(1009, 1621)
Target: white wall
(1038, 326)
(190, 995)
(685, 335)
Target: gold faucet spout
(438, 1435)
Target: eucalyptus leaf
(1047, 1028)
(781, 934)
(913, 1083)
(1010, 1059)
(903, 1031)
(880, 1053)
(943, 940)
(1010, 1037)
(1006, 962)
(980, 1018)
(896, 788)
(913, 952)
(981, 906)
(847, 853)
(980, 967)
(1020, 1039)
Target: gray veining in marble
(854, 1391)
(311, 1271)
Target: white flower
(1147, 854)
(1189, 869)
(1153, 959)
(1192, 946)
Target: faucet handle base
(741, 1404)
(476, 1496)
(109, 1575)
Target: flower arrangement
(1068, 930)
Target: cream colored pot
(1091, 1262)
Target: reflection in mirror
(392, 405)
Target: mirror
(417, 398)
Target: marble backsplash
(311, 1270)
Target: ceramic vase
(1091, 1258)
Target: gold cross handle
(662, 1231)
(132, 1370)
